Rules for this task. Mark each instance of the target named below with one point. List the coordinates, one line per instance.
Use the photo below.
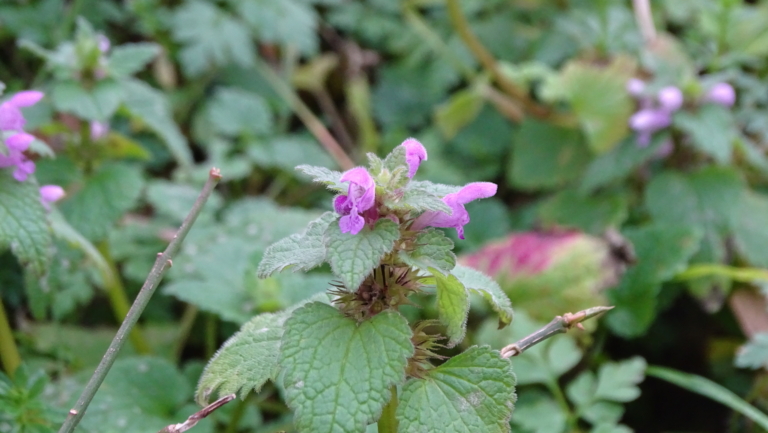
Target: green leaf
(662, 252)
(619, 162)
(246, 360)
(353, 257)
(712, 130)
(590, 213)
(325, 176)
(23, 225)
(287, 22)
(546, 156)
(151, 107)
(286, 152)
(750, 229)
(128, 59)
(305, 250)
(617, 381)
(754, 354)
(602, 413)
(338, 372)
(415, 199)
(598, 97)
(432, 250)
(210, 37)
(538, 412)
(461, 109)
(234, 111)
(437, 189)
(98, 103)
(472, 392)
(452, 306)
(112, 191)
(709, 389)
(484, 285)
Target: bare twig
(197, 416)
(309, 119)
(558, 325)
(162, 262)
(644, 20)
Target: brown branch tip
(197, 416)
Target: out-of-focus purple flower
(103, 43)
(670, 98)
(721, 93)
(50, 194)
(360, 198)
(650, 120)
(19, 142)
(414, 154)
(456, 201)
(635, 87)
(11, 118)
(24, 167)
(98, 130)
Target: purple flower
(11, 118)
(648, 121)
(360, 198)
(721, 93)
(670, 98)
(103, 43)
(456, 201)
(98, 130)
(414, 154)
(50, 194)
(24, 167)
(635, 87)
(19, 142)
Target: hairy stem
(306, 116)
(9, 353)
(163, 261)
(388, 421)
(558, 325)
(118, 299)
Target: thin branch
(162, 262)
(337, 122)
(644, 20)
(309, 119)
(486, 59)
(197, 416)
(558, 325)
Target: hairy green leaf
(433, 250)
(415, 199)
(712, 130)
(303, 251)
(619, 162)
(128, 59)
(98, 103)
(452, 305)
(23, 224)
(325, 176)
(472, 392)
(338, 372)
(234, 111)
(488, 288)
(353, 257)
(617, 381)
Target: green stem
(557, 392)
(163, 261)
(185, 328)
(9, 353)
(210, 335)
(388, 421)
(118, 299)
(306, 116)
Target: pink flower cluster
(17, 142)
(656, 111)
(358, 206)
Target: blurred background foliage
(144, 96)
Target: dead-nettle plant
(355, 360)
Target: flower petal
(19, 141)
(351, 223)
(474, 191)
(51, 193)
(11, 118)
(414, 154)
(26, 98)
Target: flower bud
(552, 273)
(650, 120)
(721, 93)
(635, 87)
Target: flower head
(414, 154)
(360, 197)
(635, 87)
(50, 194)
(456, 201)
(11, 118)
(670, 98)
(98, 130)
(721, 93)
